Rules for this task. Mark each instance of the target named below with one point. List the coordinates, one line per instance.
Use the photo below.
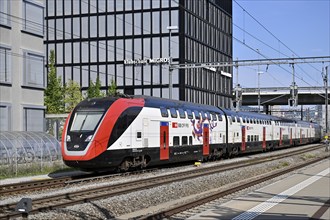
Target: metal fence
(22, 149)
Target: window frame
(8, 65)
(8, 108)
(26, 74)
(25, 23)
(7, 13)
(25, 119)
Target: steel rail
(201, 201)
(62, 200)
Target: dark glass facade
(94, 38)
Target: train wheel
(125, 165)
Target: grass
(32, 169)
(282, 164)
(308, 156)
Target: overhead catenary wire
(273, 35)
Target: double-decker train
(140, 131)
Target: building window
(33, 15)
(5, 65)
(33, 119)
(5, 12)
(5, 117)
(33, 70)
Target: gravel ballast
(148, 200)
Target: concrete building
(130, 42)
(22, 63)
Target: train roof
(157, 102)
(169, 103)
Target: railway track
(62, 200)
(16, 188)
(29, 186)
(166, 214)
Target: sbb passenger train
(140, 131)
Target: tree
(94, 90)
(54, 92)
(72, 95)
(112, 91)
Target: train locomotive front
(92, 127)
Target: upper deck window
(214, 117)
(182, 114)
(208, 116)
(189, 113)
(220, 117)
(197, 116)
(164, 112)
(174, 114)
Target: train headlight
(89, 138)
(68, 138)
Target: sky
(301, 28)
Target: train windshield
(86, 120)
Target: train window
(220, 135)
(248, 138)
(237, 134)
(234, 119)
(244, 120)
(208, 116)
(238, 120)
(230, 120)
(189, 113)
(184, 140)
(182, 113)
(214, 117)
(174, 114)
(256, 138)
(220, 117)
(176, 141)
(138, 135)
(196, 113)
(164, 112)
(190, 140)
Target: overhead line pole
(326, 99)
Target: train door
(164, 141)
(206, 141)
(243, 138)
(264, 138)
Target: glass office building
(128, 41)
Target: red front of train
(87, 132)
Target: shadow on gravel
(67, 173)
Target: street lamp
(170, 84)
